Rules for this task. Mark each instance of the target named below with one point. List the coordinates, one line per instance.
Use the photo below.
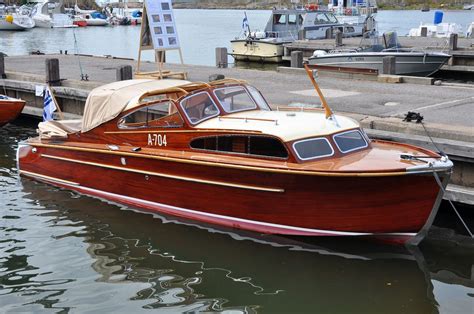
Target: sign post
(158, 33)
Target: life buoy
(311, 7)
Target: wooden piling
(338, 38)
(424, 31)
(389, 65)
(453, 42)
(2, 66)
(124, 72)
(301, 34)
(221, 57)
(297, 59)
(52, 72)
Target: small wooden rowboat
(10, 109)
(216, 152)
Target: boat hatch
(161, 115)
(251, 145)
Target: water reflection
(66, 251)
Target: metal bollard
(453, 42)
(424, 31)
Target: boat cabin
(221, 118)
(286, 23)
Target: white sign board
(162, 24)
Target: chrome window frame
(134, 110)
(204, 119)
(354, 149)
(312, 139)
(248, 94)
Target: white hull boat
(12, 20)
(51, 15)
(406, 63)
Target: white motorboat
(51, 14)
(437, 28)
(288, 25)
(407, 61)
(12, 19)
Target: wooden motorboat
(10, 109)
(216, 153)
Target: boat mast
(328, 111)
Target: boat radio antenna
(328, 111)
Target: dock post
(388, 65)
(301, 34)
(52, 72)
(124, 72)
(2, 66)
(453, 42)
(338, 38)
(297, 59)
(424, 31)
(221, 57)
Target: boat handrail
(343, 50)
(227, 81)
(300, 108)
(247, 119)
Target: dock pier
(379, 105)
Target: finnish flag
(245, 23)
(49, 106)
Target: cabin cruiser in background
(91, 17)
(288, 25)
(51, 14)
(14, 19)
(354, 12)
(437, 28)
(407, 61)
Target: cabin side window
(313, 148)
(199, 107)
(291, 18)
(320, 18)
(160, 115)
(279, 19)
(241, 144)
(234, 98)
(350, 141)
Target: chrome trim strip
(168, 176)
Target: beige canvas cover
(58, 129)
(106, 102)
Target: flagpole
(61, 115)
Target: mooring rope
(76, 48)
(419, 119)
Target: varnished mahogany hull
(278, 203)
(10, 110)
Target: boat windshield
(239, 98)
(325, 18)
(234, 98)
(199, 107)
(350, 141)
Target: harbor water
(200, 32)
(65, 252)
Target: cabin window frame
(312, 139)
(295, 22)
(248, 146)
(149, 104)
(204, 119)
(353, 149)
(267, 106)
(256, 106)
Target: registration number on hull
(157, 140)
